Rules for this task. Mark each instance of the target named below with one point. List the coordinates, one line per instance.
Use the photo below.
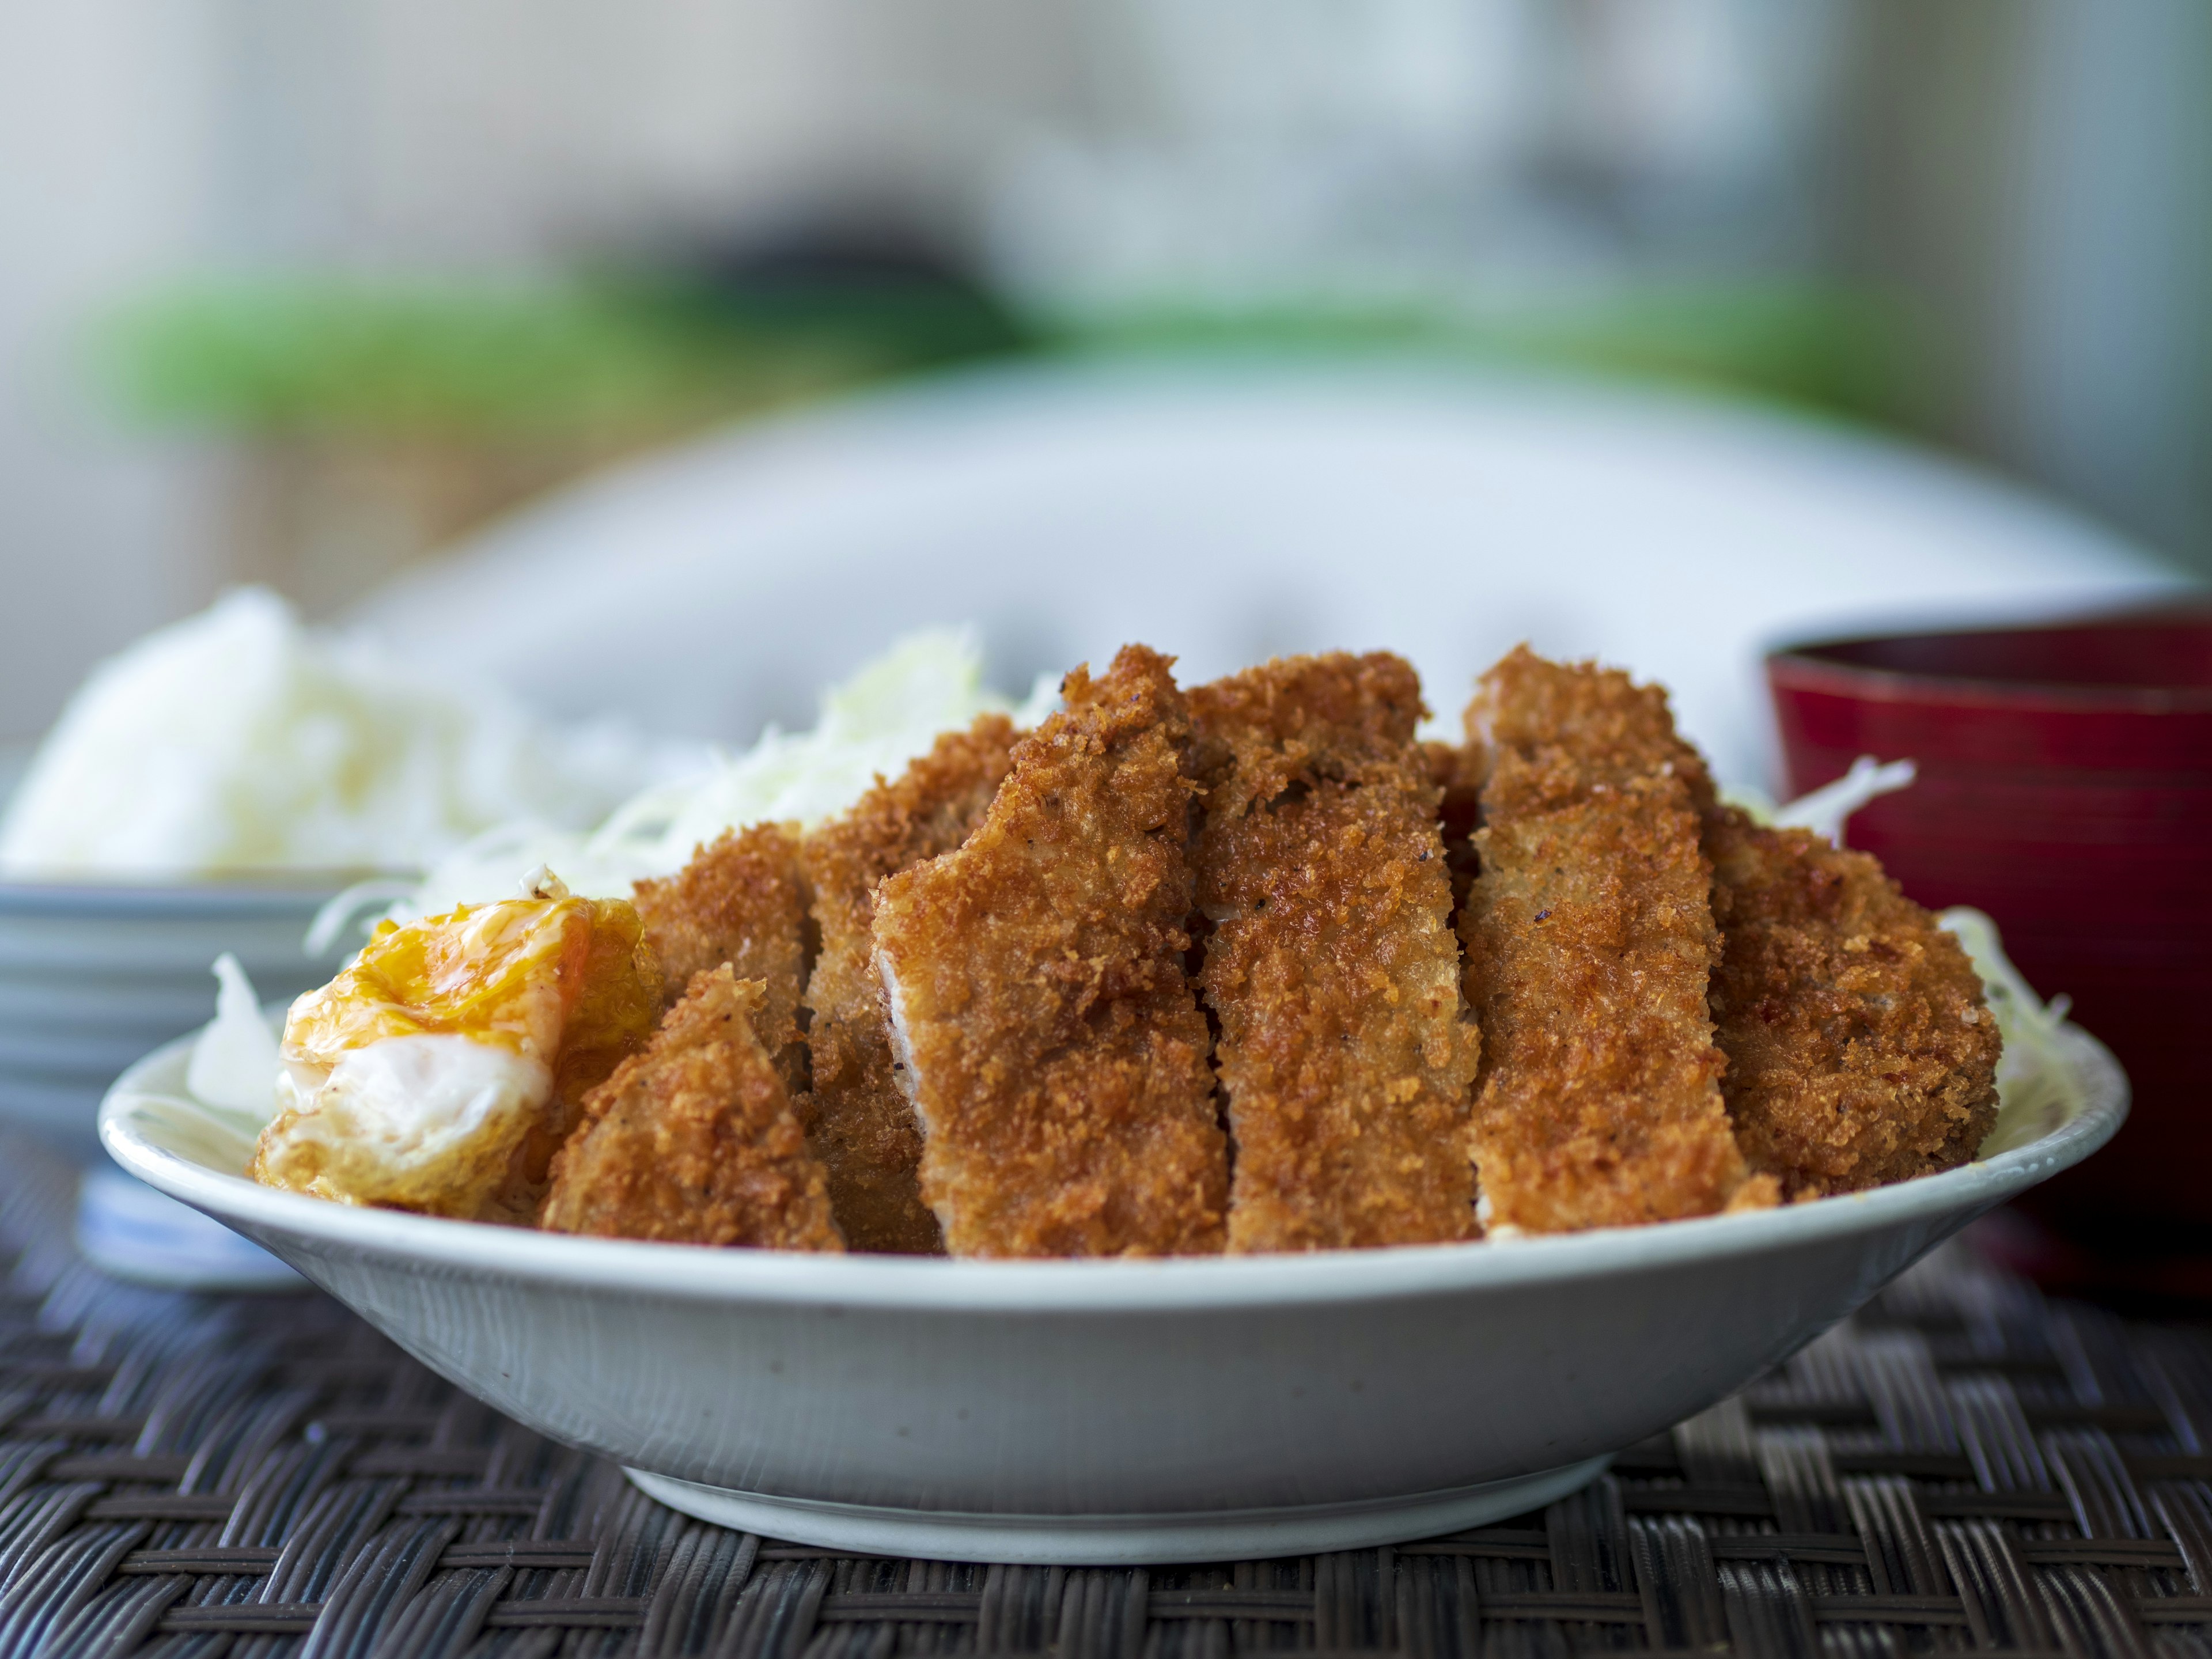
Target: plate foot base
(1118, 1540)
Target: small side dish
(1244, 967)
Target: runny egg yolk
(441, 1070)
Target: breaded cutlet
(1049, 1039)
(741, 901)
(1860, 1050)
(859, 1120)
(1859, 1047)
(1345, 1055)
(1590, 941)
(693, 1140)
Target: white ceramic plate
(1100, 1412)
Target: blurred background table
(1964, 1465)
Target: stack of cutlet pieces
(1248, 968)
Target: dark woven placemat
(1964, 1466)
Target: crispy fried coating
(1859, 1049)
(1038, 1002)
(860, 1122)
(1549, 734)
(1591, 940)
(693, 1140)
(741, 901)
(1331, 966)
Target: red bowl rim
(1799, 667)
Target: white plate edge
(685, 1271)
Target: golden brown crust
(693, 1140)
(860, 1122)
(1036, 988)
(1547, 734)
(1331, 965)
(1842, 1008)
(1860, 1050)
(742, 901)
(1590, 939)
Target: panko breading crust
(1039, 1002)
(1859, 1049)
(1331, 965)
(1590, 941)
(859, 1120)
(743, 901)
(693, 1140)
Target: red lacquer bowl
(2065, 786)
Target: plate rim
(923, 1285)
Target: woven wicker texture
(1965, 1465)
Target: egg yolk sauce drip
(442, 1071)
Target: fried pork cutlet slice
(860, 1123)
(1344, 1050)
(742, 901)
(693, 1140)
(1591, 940)
(1056, 1057)
(1859, 1049)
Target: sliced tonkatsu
(1860, 1049)
(741, 902)
(694, 1140)
(859, 1119)
(1590, 943)
(1344, 1054)
(1054, 1051)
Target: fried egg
(441, 1070)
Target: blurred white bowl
(1202, 1409)
(1226, 514)
(93, 976)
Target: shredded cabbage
(870, 726)
(2033, 1073)
(1825, 811)
(234, 1061)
